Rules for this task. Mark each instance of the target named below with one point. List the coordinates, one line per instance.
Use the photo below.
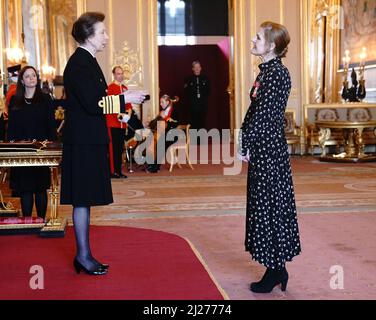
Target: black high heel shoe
(271, 279)
(104, 266)
(96, 272)
(267, 271)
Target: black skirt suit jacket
(85, 176)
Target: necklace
(28, 102)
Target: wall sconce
(48, 75)
(17, 56)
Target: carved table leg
(359, 143)
(324, 135)
(55, 226)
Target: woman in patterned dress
(272, 234)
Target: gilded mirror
(37, 32)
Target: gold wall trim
(282, 11)
(231, 87)
(111, 32)
(154, 56)
(239, 60)
(81, 7)
(140, 31)
(304, 52)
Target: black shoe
(96, 272)
(115, 176)
(153, 168)
(104, 266)
(123, 176)
(271, 279)
(267, 271)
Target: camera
(147, 98)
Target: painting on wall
(359, 29)
(62, 15)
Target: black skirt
(85, 176)
(30, 179)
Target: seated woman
(160, 132)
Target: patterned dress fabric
(272, 234)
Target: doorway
(201, 31)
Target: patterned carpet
(320, 188)
(336, 213)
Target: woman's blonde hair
(277, 34)
(166, 97)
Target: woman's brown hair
(277, 34)
(20, 91)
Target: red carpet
(144, 264)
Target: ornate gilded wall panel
(46, 26)
(321, 20)
(62, 15)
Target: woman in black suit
(85, 179)
(31, 117)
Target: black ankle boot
(271, 279)
(267, 271)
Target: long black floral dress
(272, 234)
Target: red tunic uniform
(11, 92)
(115, 88)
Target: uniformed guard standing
(116, 128)
(197, 89)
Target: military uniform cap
(13, 70)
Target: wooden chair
(180, 145)
(292, 131)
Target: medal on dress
(256, 85)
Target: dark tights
(81, 221)
(27, 203)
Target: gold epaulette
(110, 104)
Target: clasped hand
(244, 158)
(134, 96)
(123, 117)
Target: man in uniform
(197, 88)
(116, 128)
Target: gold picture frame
(357, 31)
(46, 25)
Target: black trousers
(118, 137)
(198, 115)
